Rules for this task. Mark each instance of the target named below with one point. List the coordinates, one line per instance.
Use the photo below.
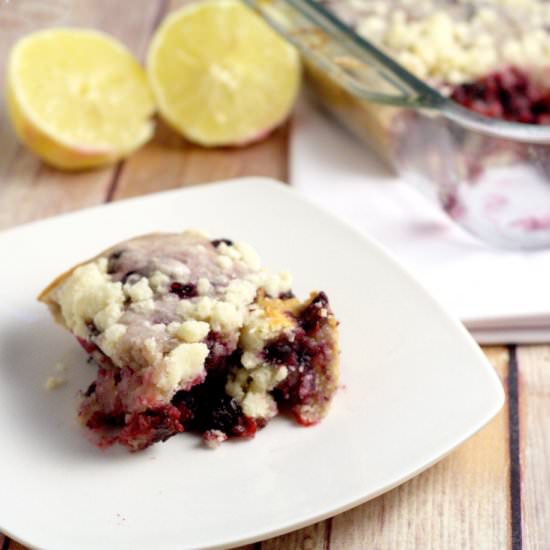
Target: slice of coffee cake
(192, 334)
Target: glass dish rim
(415, 93)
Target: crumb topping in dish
(193, 334)
(491, 57)
(453, 43)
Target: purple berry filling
(312, 318)
(509, 94)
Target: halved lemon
(220, 74)
(78, 98)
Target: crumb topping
(192, 331)
(457, 42)
(182, 366)
(139, 291)
(90, 295)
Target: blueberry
(311, 318)
(188, 290)
(217, 242)
(113, 261)
(92, 329)
(224, 414)
(279, 352)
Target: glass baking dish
(489, 175)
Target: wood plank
(29, 189)
(314, 537)
(461, 502)
(169, 162)
(534, 384)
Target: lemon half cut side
(220, 74)
(78, 98)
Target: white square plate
(414, 386)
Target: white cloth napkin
(501, 296)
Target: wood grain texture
(314, 537)
(534, 383)
(169, 162)
(29, 189)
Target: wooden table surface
(491, 493)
